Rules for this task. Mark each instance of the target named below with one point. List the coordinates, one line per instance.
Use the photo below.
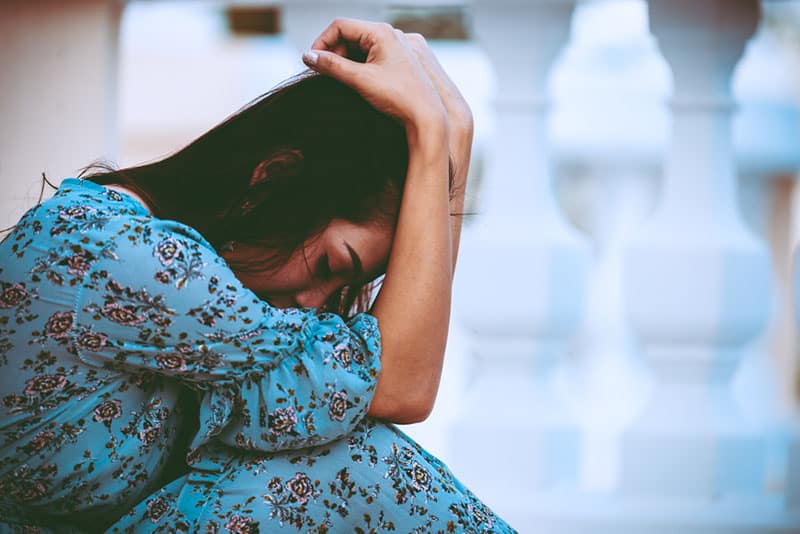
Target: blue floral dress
(126, 341)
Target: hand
(460, 130)
(391, 79)
(459, 114)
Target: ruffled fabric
(108, 315)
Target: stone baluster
(792, 481)
(697, 282)
(520, 284)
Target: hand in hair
(391, 78)
(460, 127)
(459, 114)
(413, 306)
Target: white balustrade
(792, 481)
(697, 284)
(608, 124)
(521, 281)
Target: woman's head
(307, 174)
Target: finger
(333, 65)
(343, 30)
(403, 38)
(349, 51)
(340, 49)
(417, 38)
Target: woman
(115, 297)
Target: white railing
(616, 310)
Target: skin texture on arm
(413, 307)
(460, 125)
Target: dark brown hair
(278, 171)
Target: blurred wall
(58, 93)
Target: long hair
(278, 171)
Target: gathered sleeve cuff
(316, 394)
(160, 301)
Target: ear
(283, 161)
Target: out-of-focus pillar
(793, 468)
(520, 284)
(58, 93)
(698, 283)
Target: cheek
(286, 279)
(294, 275)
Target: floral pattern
(376, 480)
(120, 333)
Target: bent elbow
(402, 410)
(415, 413)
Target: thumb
(333, 65)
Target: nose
(316, 295)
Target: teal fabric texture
(144, 389)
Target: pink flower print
(78, 264)
(421, 477)
(337, 407)
(59, 325)
(301, 487)
(12, 295)
(44, 384)
(173, 362)
(282, 421)
(167, 250)
(341, 353)
(156, 508)
(107, 410)
(91, 341)
(149, 435)
(122, 315)
(241, 525)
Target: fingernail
(310, 57)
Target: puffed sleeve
(157, 298)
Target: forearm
(460, 144)
(413, 307)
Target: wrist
(427, 115)
(428, 130)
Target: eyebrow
(358, 268)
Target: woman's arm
(413, 307)
(156, 298)
(460, 122)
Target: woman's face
(343, 254)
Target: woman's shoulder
(86, 227)
(77, 207)
(84, 210)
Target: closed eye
(358, 268)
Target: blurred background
(623, 354)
